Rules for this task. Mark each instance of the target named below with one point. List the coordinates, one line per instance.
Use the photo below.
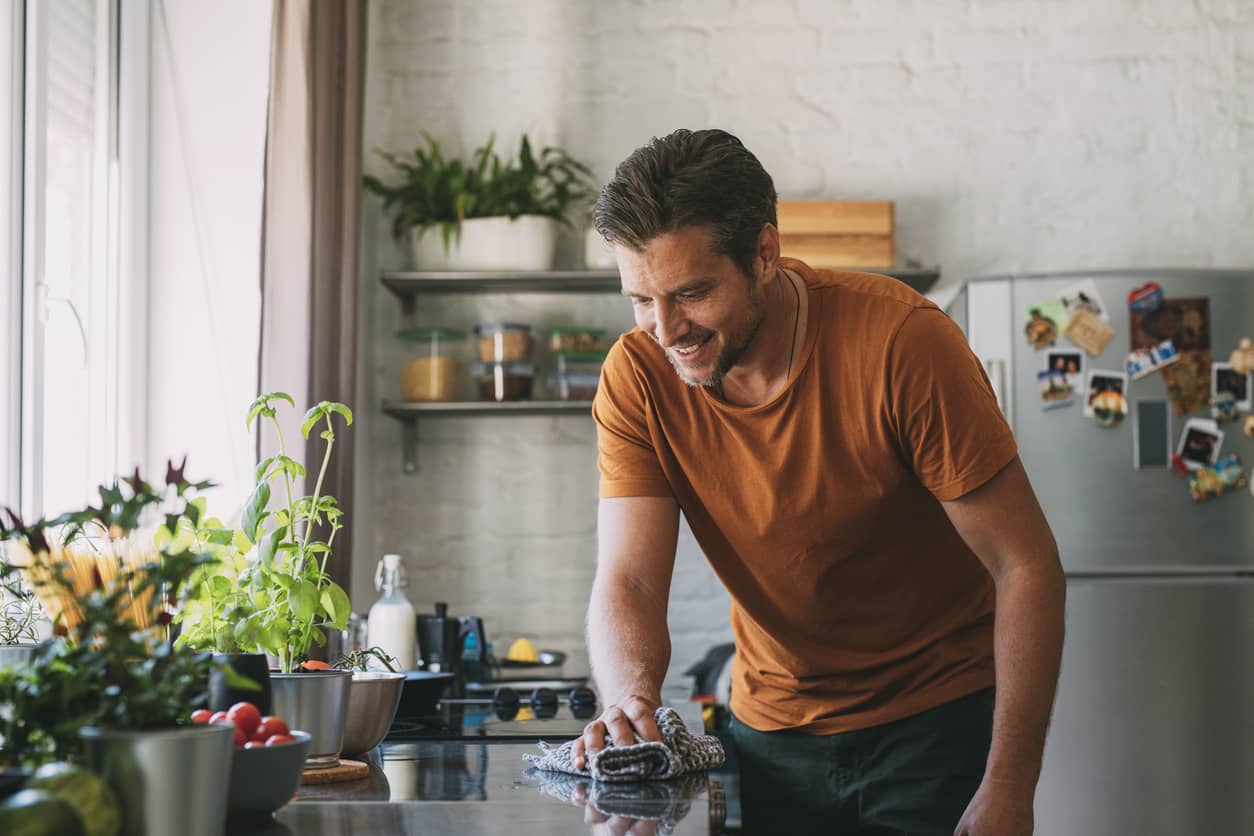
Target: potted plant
(269, 593)
(483, 214)
(112, 690)
(20, 615)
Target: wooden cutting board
(837, 233)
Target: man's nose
(669, 324)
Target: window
(10, 249)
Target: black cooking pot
(421, 691)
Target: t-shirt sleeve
(942, 407)
(626, 456)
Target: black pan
(421, 691)
(547, 659)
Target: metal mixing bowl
(372, 702)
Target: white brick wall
(1013, 135)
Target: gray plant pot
(168, 780)
(16, 655)
(315, 702)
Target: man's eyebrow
(700, 283)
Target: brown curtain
(310, 224)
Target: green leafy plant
(269, 591)
(20, 615)
(359, 660)
(105, 669)
(437, 191)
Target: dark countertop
(457, 787)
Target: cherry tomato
(201, 715)
(240, 737)
(246, 716)
(254, 744)
(271, 726)
(219, 717)
(279, 740)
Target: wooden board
(346, 771)
(838, 233)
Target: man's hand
(998, 809)
(623, 722)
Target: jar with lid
(575, 338)
(504, 342)
(433, 374)
(505, 381)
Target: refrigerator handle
(995, 368)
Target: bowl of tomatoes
(268, 761)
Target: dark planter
(252, 665)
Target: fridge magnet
(1108, 408)
(1248, 428)
(1242, 357)
(1045, 321)
(1070, 364)
(1083, 296)
(1088, 331)
(1145, 298)
(1143, 361)
(1105, 382)
(1186, 322)
(1200, 442)
(1055, 390)
(1225, 379)
(1223, 407)
(1224, 476)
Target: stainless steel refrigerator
(1153, 727)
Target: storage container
(434, 372)
(503, 342)
(580, 362)
(575, 338)
(505, 381)
(575, 386)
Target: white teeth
(688, 349)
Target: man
(839, 456)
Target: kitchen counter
(459, 787)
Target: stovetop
(483, 722)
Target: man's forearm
(629, 645)
(1028, 636)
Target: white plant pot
(525, 243)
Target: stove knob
(507, 712)
(543, 698)
(505, 698)
(583, 698)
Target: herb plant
(269, 591)
(107, 671)
(19, 615)
(435, 191)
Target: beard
(735, 344)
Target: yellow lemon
(522, 651)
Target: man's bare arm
(628, 641)
(1003, 524)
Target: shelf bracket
(409, 446)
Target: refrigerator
(1153, 725)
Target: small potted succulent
(269, 592)
(483, 214)
(112, 690)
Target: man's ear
(768, 251)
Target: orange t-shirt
(854, 600)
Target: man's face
(698, 306)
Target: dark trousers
(913, 776)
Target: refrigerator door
(1107, 515)
(1153, 729)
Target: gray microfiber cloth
(663, 802)
(679, 752)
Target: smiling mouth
(689, 352)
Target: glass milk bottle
(392, 621)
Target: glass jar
(433, 374)
(505, 381)
(580, 362)
(575, 338)
(504, 342)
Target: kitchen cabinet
(407, 287)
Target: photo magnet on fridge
(1088, 331)
(1070, 364)
(1200, 442)
(1210, 482)
(1045, 321)
(1225, 380)
(1055, 390)
(1083, 296)
(1105, 382)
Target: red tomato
(271, 726)
(246, 716)
(201, 715)
(219, 717)
(254, 744)
(280, 739)
(240, 737)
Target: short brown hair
(689, 178)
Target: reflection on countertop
(454, 787)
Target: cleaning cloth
(679, 752)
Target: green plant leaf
(335, 602)
(265, 552)
(304, 600)
(255, 511)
